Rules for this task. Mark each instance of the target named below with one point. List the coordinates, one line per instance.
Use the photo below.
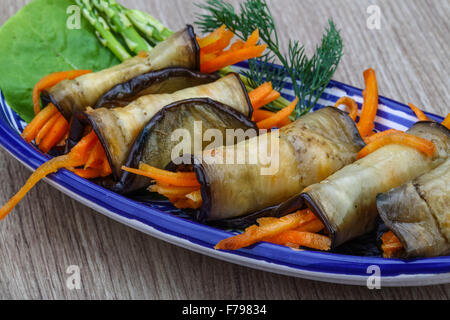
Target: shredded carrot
(272, 96)
(313, 226)
(232, 57)
(56, 133)
(253, 39)
(95, 159)
(77, 157)
(239, 44)
(260, 115)
(419, 113)
(391, 245)
(219, 45)
(47, 127)
(304, 239)
(51, 80)
(32, 129)
(89, 173)
(373, 137)
(349, 103)
(212, 37)
(268, 227)
(281, 115)
(366, 122)
(260, 93)
(446, 122)
(423, 145)
(178, 179)
(172, 191)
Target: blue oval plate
(165, 222)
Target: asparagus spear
(148, 25)
(122, 25)
(102, 30)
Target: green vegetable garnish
(314, 73)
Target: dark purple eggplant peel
(72, 96)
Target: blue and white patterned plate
(166, 223)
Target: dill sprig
(310, 76)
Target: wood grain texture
(48, 231)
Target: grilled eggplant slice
(419, 213)
(70, 96)
(118, 128)
(155, 144)
(346, 201)
(302, 153)
(167, 80)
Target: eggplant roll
(118, 128)
(161, 140)
(419, 213)
(284, 162)
(70, 96)
(346, 201)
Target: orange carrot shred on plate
(88, 173)
(259, 115)
(56, 133)
(446, 122)
(373, 137)
(172, 191)
(268, 227)
(229, 58)
(391, 245)
(419, 113)
(423, 145)
(51, 80)
(95, 159)
(77, 157)
(313, 226)
(271, 97)
(212, 37)
(47, 127)
(366, 122)
(179, 179)
(349, 103)
(219, 45)
(281, 115)
(260, 93)
(304, 239)
(253, 39)
(32, 129)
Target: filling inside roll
(70, 96)
(346, 201)
(266, 170)
(418, 213)
(118, 128)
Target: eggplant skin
(167, 80)
(419, 213)
(118, 128)
(73, 96)
(346, 201)
(154, 145)
(310, 149)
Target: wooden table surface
(49, 231)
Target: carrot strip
(349, 103)
(219, 45)
(259, 115)
(32, 129)
(212, 37)
(268, 227)
(260, 93)
(179, 179)
(76, 157)
(172, 191)
(304, 239)
(253, 39)
(419, 113)
(238, 45)
(51, 80)
(373, 137)
(229, 58)
(284, 123)
(423, 145)
(57, 132)
(89, 173)
(391, 245)
(446, 122)
(271, 122)
(272, 96)
(366, 122)
(313, 226)
(96, 157)
(47, 127)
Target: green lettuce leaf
(36, 42)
